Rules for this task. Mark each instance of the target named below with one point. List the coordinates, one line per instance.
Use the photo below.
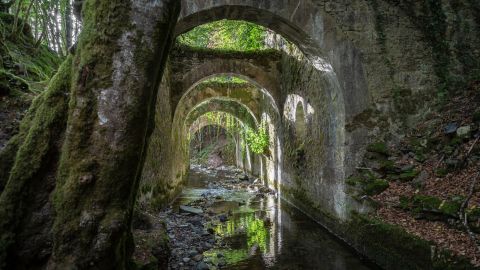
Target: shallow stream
(256, 230)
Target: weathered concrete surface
(190, 67)
(369, 71)
(374, 61)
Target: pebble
(198, 257)
(202, 266)
(223, 218)
(192, 229)
(450, 128)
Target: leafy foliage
(226, 35)
(225, 79)
(258, 140)
(51, 22)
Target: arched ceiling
(190, 68)
(302, 22)
(232, 107)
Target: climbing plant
(258, 140)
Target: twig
(471, 147)
(440, 161)
(463, 216)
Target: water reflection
(267, 233)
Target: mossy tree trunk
(31, 158)
(90, 152)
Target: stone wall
(371, 70)
(158, 185)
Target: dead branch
(464, 217)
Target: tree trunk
(68, 25)
(70, 193)
(118, 69)
(26, 215)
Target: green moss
(378, 147)
(40, 132)
(451, 207)
(225, 53)
(367, 184)
(225, 85)
(387, 165)
(353, 180)
(408, 175)
(421, 203)
(441, 172)
(376, 186)
(19, 51)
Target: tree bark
(118, 69)
(71, 189)
(68, 25)
(26, 215)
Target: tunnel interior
(277, 92)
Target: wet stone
(202, 266)
(198, 257)
(191, 210)
(208, 225)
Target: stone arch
(243, 157)
(181, 126)
(202, 122)
(254, 97)
(316, 35)
(301, 21)
(232, 107)
(190, 67)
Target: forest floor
(432, 173)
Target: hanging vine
(258, 140)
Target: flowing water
(264, 232)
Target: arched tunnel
(104, 173)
